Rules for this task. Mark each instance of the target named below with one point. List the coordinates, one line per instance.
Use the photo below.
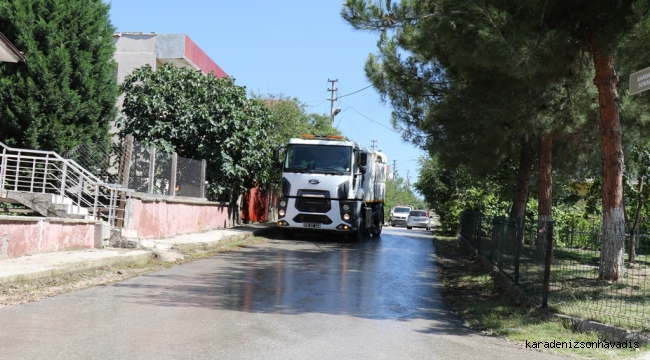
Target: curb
(134, 257)
(138, 258)
(612, 333)
(227, 240)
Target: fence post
(17, 172)
(3, 168)
(64, 174)
(503, 224)
(204, 165)
(518, 236)
(47, 160)
(152, 168)
(547, 263)
(125, 175)
(478, 234)
(172, 181)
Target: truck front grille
(313, 201)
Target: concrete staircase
(48, 205)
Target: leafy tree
(201, 117)
(451, 191)
(65, 92)
(292, 119)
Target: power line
(377, 122)
(355, 92)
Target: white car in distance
(418, 219)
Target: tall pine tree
(65, 93)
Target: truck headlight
(281, 212)
(346, 207)
(346, 216)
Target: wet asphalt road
(289, 299)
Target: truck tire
(379, 223)
(357, 235)
(376, 231)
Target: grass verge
(473, 295)
(20, 293)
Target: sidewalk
(40, 266)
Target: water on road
(303, 298)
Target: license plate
(311, 225)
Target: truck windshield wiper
(332, 171)
(300, 170)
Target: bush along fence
(561, 270)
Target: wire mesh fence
(142, 168)
(577, 278)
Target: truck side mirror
(276, 157)
(363, 160)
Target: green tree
(201, 117)
(65, 93)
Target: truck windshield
(318, 158)
(402, 210)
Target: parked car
(418, 219)
(398, 215)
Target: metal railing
(45, 172)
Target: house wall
(21, 235)
(157, 216)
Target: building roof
(8, 52)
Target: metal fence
(566, 274)
(143, 168)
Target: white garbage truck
(330, 184)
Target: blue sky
(289, 47)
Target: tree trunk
(545, 197)
(523, 186)
(613, 226)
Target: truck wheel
(377, 230)
(357, 235)
(408, 228)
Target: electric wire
(352, 93)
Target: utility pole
(394, 169)
(408, 177)
(332, 99)
(373, 144)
